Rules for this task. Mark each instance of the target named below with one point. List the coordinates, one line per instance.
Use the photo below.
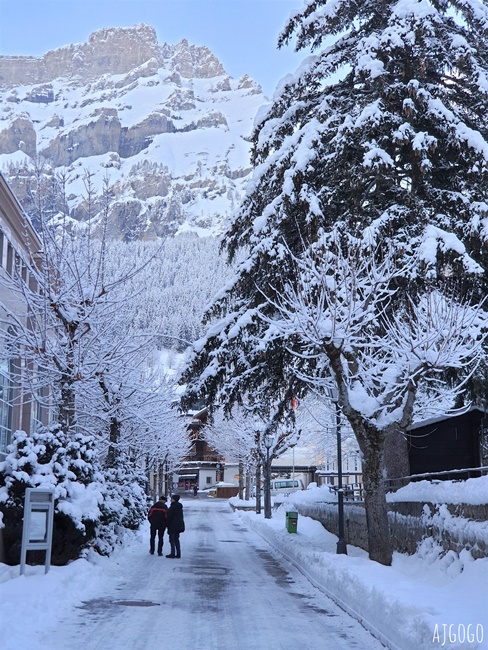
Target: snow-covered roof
(437, 420)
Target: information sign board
(37, 531)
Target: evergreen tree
(378, 143)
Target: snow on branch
(342, 319)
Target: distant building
(203, 467)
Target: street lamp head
(268, 441)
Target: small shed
(226, 491)
(449, 443)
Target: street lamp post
(268, 443)
(293, 468)
(341, 548)
(341, 542)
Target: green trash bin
(291, 522)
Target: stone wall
(454, 527)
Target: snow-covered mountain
(164, 124)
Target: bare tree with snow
(336, 320)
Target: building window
(6, 389)
(10, 259)
(209, 480)
(17, 265)
(33, 283)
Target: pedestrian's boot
(171, 555)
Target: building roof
(17, 221)
(444, 418)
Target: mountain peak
(164, 123)
(140, 33)
(193, 61)
(114, 50)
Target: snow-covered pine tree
(382, 135)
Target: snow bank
(39, 597)
(405, 605)
(473, 491)
(36, 602)
(322, 494)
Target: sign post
(37, 531)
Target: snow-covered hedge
(91, 506)
(124, 505)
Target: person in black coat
(157, 518)
(176, 525)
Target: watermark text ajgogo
(459, 633)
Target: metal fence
(355, 491)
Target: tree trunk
(115, 425)
(168, 482)
(248, 486)
(67, 405)
(161, 477)
(67, 408)
(258, 488)
(114, 437)
(396, 460)
(379, 541)
(241, 480)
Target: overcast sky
(241, 33)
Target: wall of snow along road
(405, 605)
(453, 513)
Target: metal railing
(403, 480)
(351, 491)
(355, 491)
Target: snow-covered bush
(93, 507)
(48, 458)
(124, 506)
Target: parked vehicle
(285, 486)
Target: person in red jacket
(157, 519)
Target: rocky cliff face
(164, 125)
(112, 52)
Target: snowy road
(229, 590)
